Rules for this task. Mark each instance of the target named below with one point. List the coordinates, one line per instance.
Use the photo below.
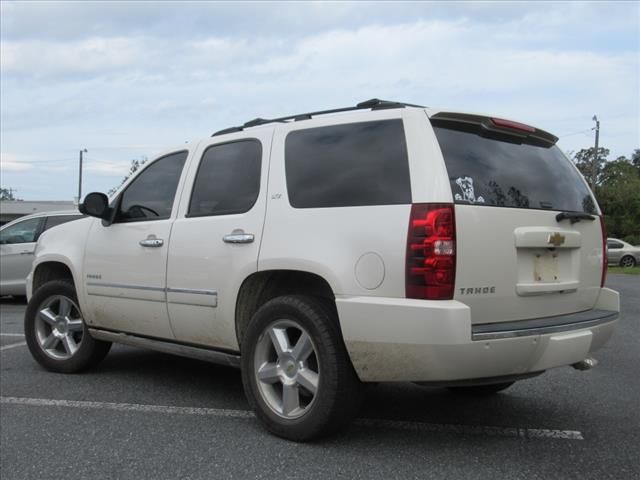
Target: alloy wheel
(59, 327)
(627, 262)
(286, 368)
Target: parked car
(622, 253)
(17, 243)
(318, 252)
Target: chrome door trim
(192, 290)
(205, 298)
(155, 289)
(124, 285)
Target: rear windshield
(486, 171)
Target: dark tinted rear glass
(228, 179)
(348, 165)
(485, 171)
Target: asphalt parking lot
(147, 415)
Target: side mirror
(96, 204)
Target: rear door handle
(152, 242)
(238, 236)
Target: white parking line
(12, 345)
(513, 432)
(130, 407)
(11, 334)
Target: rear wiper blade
(574, 217)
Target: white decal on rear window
(466, 185)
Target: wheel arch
(260, 287)
(51, 270)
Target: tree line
(617, 190)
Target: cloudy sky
(127, 79)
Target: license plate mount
(545, 267)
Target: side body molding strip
(188, 296)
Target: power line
(130, 147)
(59, 161)
(49, 162)
(576, 133)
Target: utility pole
(594, 172)
(84, 150)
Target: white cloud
(107, 168)
(42, 58)
(443, 55)
(13, 163)
(130, 82)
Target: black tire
(339, 392)
(627, 261)
(90, 351)
(481, 390)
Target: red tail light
(605, 262)
(431, 252)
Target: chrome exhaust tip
(586, 364)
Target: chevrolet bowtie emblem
(556, 239)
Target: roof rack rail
(373, 104)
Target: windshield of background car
(491, 172)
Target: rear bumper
(542, 326)
(391, 339)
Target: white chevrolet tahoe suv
(317, 252)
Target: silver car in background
(621, 253)
(18, 242)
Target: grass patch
(629, 271)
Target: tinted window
(348, 165)
(614, 245)
(228, 179)
(26, 231)
(150, 195)
(59, 220)
(486, 171)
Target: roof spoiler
(499, 128)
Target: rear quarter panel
(358, 250)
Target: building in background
(12, 209)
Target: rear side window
(487, 171)
(228, 179)
(60, 219)
(614, 245)
(348, 165)
(150, 195)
